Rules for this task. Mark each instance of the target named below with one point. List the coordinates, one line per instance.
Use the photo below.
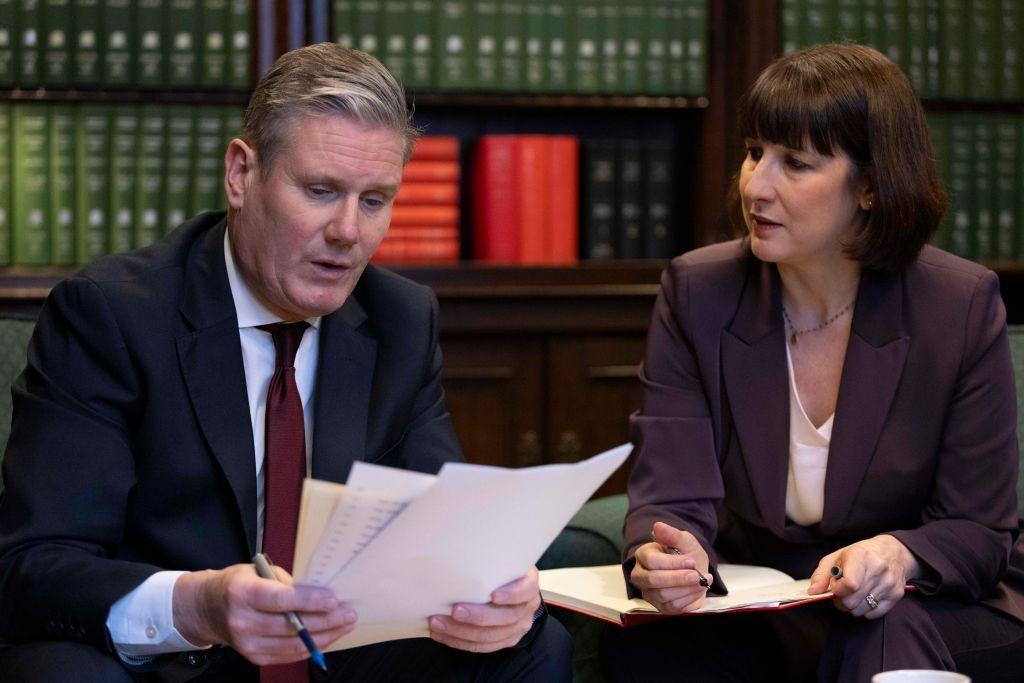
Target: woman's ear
(239, 171)
(867, 191)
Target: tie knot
(287, 337)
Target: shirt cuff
(141, 623)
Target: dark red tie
(283, 470)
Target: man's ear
(239, 172)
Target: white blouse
(808, 457)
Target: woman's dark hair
(852, 97)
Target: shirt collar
(249, 311)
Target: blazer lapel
(874, 362)
(210, 356)
(342, 398)
(757, 385)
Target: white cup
(919, 676)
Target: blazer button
(196, 659)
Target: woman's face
(799, 206)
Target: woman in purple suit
(828, 392)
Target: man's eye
(318, 191)
(373, 202)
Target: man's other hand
(235, 607)
(493, 626)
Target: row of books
(981, 160)
(126, 43)
(81, 180)
(951, 49)
(564, 46)
(425, 216)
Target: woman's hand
(667, 580)
(878, 567)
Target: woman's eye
(754, 152)
(796, 164)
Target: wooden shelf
(218, 96)
(555, 101)
(974, 106)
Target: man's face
(302, 237)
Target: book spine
(421, 42)
(953, 39)
(982, 49)
(933, 61)
(893, 31)
(657, 230)
(586, 62)
(1007, 182)
(240, 55)
(535, 45)
(367, 25)
(431, 171)
(124, 135)
(428, 193)
(419, 214)
(961, 153)
(611, 50)
(792, 11)
(512, 61)
(178, 165)
(149, 44)
(319, 29)
(634, 37)
(214, 44)
(916, 51)
(57, 43)
(118, 23)
(92, 159)
(630, 214)
(496, 200)
(183, 61)
(599, 181)
(849, 23)
(533, 161)
(563, 205)
(343, 23)
(436, 148)
(8, 41)
(871, 24)
(295, 24)
(266, 36)
(560, 42)
(938, 128)
(6, 190)
(396, 20)
(30, 48)
(818, 24)
(150, 179)
(1011, 60)
(453, 39)
(31, 232)
(62, 185)
(88, 41)
(676, 70)
(1020, 195)
(696, 47)
(984, 230)
(206, 155)
(230, 128)
(486, 46)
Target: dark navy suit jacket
(923, 444)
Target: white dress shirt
(808, 458)
(141, 623)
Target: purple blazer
(924, 443)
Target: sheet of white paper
(374, 495)
(474, 530)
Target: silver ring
(872, 602)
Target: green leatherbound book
(676, 70)
(6, 197)
(486, 48)
(938, 129)
(586, 54)
(124, 144)
(367, 19)
(88, 63)
(182, 41)
(92, 160)
(916, 48)
(421, 45)
(214, 44)
(150, 174)
(62, 184)
(611, 50)
(453, 42)
(961, 185)
(849, 20)
(984, 186)
(343, 22)
(696, 47)
(207, 156)
(149, 46)
(31, 228)
(30, 43)
(818, 23)
(58, 39)
(8, 41)
(118, 24)
(793, 12)
(178, 166)
(395, 29)
(1020, 179)
(240, 53)
(231, 127)
(953, 28)
(933, 62)
(635, 20)
(893, 31)
(871, 24)
(983, 49)
(511, 60)
(535, 45)
(1007, 185)
(1011, 50)
(560, 44)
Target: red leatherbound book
(563, 200)
(431, 171)
(417, 192)
(495, 200)
(424, 214)
(436, 148)
(423, 232)
(533, 164)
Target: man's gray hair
(323, 80)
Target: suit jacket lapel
(342, 398)
(874, 362)
(757, 386)
(210, 356)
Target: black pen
(262, 563)
(675, 551)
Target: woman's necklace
(794, 333)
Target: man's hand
(879, 567)
(493, 626)
(235, 607)
(667, 580)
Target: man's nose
(344, 225)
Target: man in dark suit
(176, 396)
